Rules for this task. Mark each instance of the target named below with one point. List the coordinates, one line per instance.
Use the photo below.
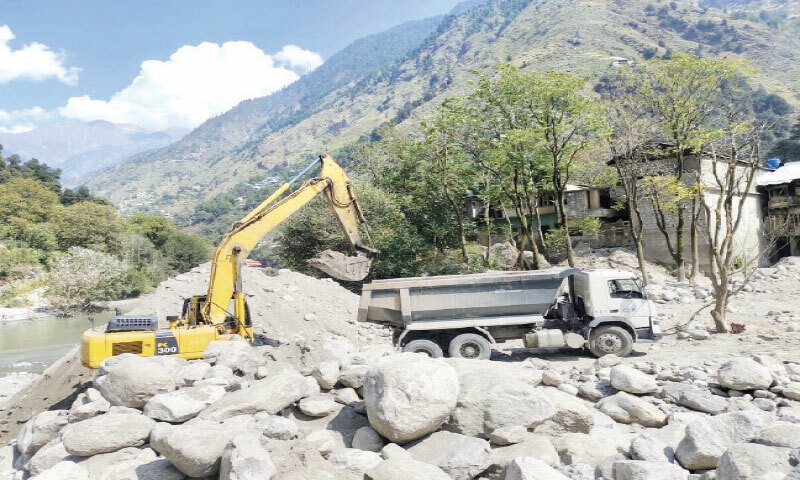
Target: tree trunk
(680, 259)
(720, 304)
(640, 258)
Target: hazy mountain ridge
(80, 148)
(580, 36)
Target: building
(780, 190)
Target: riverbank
(21, 314)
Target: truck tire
(428, 347)
(471, 346)
(610, 339)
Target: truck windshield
(624, 288)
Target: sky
(170, 63)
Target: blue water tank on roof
(773, 163)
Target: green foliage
(84, 276)
(185, 251)
(90, 225)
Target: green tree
(156, 228)
(90, 225)
(682, 94)
(184, 251)
(24, 203)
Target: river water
(32, 345)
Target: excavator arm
(225, 283)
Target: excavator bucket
(340, 266)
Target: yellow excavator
(223, 310)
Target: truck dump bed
(506, 297)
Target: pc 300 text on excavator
(223, 310)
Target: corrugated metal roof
(790, 171)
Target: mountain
(82, 148)
(356, 91)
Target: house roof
(785, 174)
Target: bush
(85, 276)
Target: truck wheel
(611, 339)
(470, 345)
(428, 347)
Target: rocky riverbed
(333, 400)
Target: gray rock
(229, 353)
(651, 449)
(596, 390)
(792, 390)
(40, 430)
(780, 434)
(750, 461)
(345, 396)
(191, 372)
(460, 456)
(626, 408)
(494, 395)
(276, 427)
(508, 435)
(353, 463)
(244, 458)
(47, 456)
(641, 470)
(270, 395)
(702, 401)
(366, 438)
(353, 376)
(318, 406)
(131, 381)
(66, 470)
(607, 361)
(184, 404)
(119, 428)
(529, 468)
(143, 464)
(326, 374)
(708, 438)
(194, 448)
(576, 448)
(503, 255)
(409, 395)
(88, 409)
(744, 374)
(405, 469)
(631, 380)
(572, 414)
(536, 446)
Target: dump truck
(604, 311)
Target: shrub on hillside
(85, 276)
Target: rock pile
(370, 413)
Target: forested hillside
(331, 108)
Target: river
(32, 345)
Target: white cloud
(34, 61)
(19, 121)
(196, 83)
(298, 59)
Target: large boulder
(628, 379)
(503, 255)
(245, 458)
(400, 468)
(708, 438)
(131, 381)
(184, 404)
(642, 470)
(409, 395)
(143, 465)
(194, 448)
(39, 430)
(270, 395)
(529, 468)
(119, 428)
(496, 395)
(65, 470)
(536, 446)
(750, 461)
(460, 456)
(626, 408)
(744, 374)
